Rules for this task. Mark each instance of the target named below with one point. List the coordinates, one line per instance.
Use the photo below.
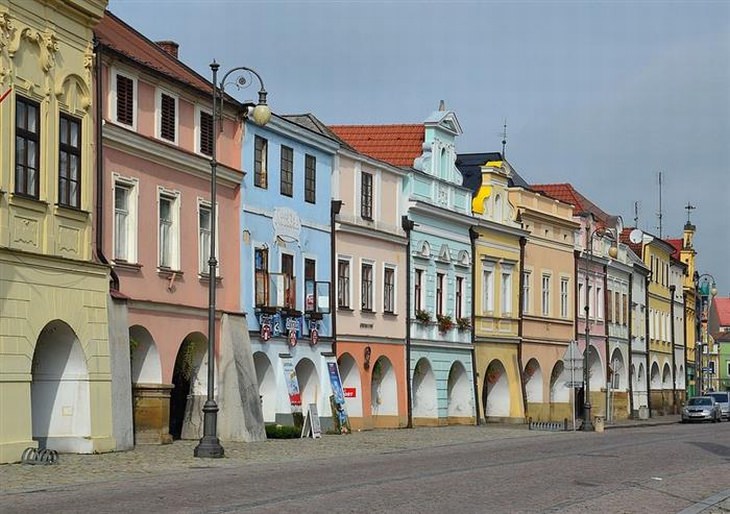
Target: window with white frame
(564, 297)
(366, 286)
(167, 116)
(260, 162)
(418, 290)
(389, 289)
(506, 295)
(581, 300)
(125, 219)
(599, 302)
(487, 288)
(168, 229)
(343, 283)
(526, 277)
(459, 298)
(366, 195)
(546, 295)
(440, 293)
(123, 99)
(205, 228)
(203, 131)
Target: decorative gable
(444, 253)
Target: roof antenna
(659, 214)
(636, 214)
(504, 140)
(689, 208)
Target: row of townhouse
(437, 287)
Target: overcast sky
(603, 95)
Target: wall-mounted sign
(266, 329)
(287, 225)
(292, 385)
(350, 392)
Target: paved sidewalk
(154, 460)
(651, 422)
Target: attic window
(168, 117)
(125, 100)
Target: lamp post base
(587, 423)
(209, 446)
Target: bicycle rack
(35, 456)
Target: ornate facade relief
(7, 34)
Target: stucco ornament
(7, 33)
(48, 44)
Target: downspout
(473, 235)
(648, 345)
(99, 209)
(576, 307)
(335, 206)
(523, 386)
(630, 321)
(608, 414)
(684, 331)
(407, 227)
(672, 290)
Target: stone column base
(152, 413)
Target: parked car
(723, 398)
(701, 408)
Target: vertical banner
(292, 385)
(339, 413)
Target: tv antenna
(660, 214)
(504, 139)
(636, 214)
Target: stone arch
(459, 389)
(496, 393)
(59, 391)
(680, 377)
(308, 379)
(146, 363)
(425, 401)
(596, 369)
(74, 93)
(190, 382)
(266, 379)
(559, 392)
(383, 388)
(350, 376)
(655, 379)
(666, 376)
(619, 378)
(533, 381)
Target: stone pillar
(152, 413)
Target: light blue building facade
(286, 245)
(441, 348)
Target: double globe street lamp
(209, 445)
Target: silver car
(701, 408)
(723, 398)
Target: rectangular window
(581, 300)
(711, 366)
(389, 290)
(459, 297)
(125, 100)
(169, 256)
(310, 179)
(260, 171)
(287, 269)
(125, 222)
(599, 303)
(343, 284)
(439, 294)
(488, 290)
(168, 117)
(205, 227)
(546, 295)
(69, 161)
(310, 270)
(366, 196)
(625, 310)
(506, 292)
(27, 147)
(205, 141)
(418, 290)
(261, 276)
(609, 308)
(287, 171)
(526, 275)
(616, 306)
(564, 297)
(366, 287)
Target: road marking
(707, 503)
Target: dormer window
(366, 195)
(167, 116)
(124, 99)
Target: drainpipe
(672, 290)
(630, 321)
(648, 345)
(684, 331)
(408, 225)
(99, 209)
(608, 415)
(473, 235)
(523, 386)
(335, 206)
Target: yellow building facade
(688, 256)
(55, 369)
(497, 270)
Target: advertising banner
(338, 398)
(292, 385)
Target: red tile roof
(677, 244)
(722, 308)
(398, 145)
(624, 238)
(116, 35)
(568, 194)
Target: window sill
(169, 272)
(344, 309)
(390, 314)
(367, 312)
(127, 266)
(29, 202)
(72, 212)
(205, 277)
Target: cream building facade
(55, 364)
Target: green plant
(463, 323)
(445, 322)
(423, 316)
(377, 371)
(274, 431)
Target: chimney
(169, 46)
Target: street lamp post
(209, 445)
(705, 293)
(612, 252)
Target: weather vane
(689, 208)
